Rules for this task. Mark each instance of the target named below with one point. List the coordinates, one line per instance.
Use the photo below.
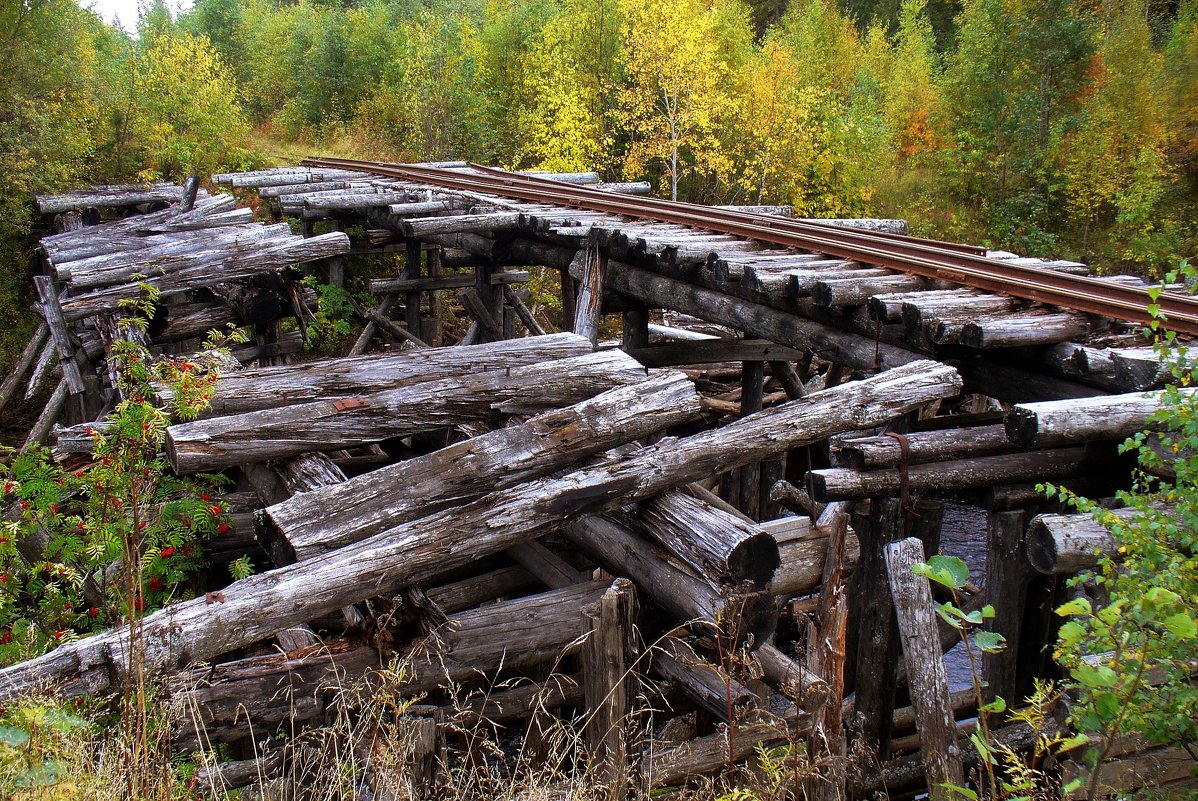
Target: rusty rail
(965, 265)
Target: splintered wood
(521, 529)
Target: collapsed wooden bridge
(790, 407)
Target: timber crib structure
(550, 523)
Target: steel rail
(919, 257)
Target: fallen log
(108, 197)
(872, 453)
(842, 484)
(719, 546)
(331, 379)
(311, 524)
(1068, 543)
(1106, 417)
(218, 442)
(205, 271)
(254, 608)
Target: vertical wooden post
(610, 685)
(1009, 572)
(636, 329)
(337, 263)
(752, 378)
(433, 334)
(412, 273)
(874, 636)
(926, 675)
(825, 659)
(590, 295)
(569, 300)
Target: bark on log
(705, 683)
(108, 197)
(873, 453)
(927, 677)
(615, 547)
(719, 546)
(1047, 465)
(1107, 417)
(23, 363)
(610, 685)
(331, 379)
(202, 271)
(1059, 544)
(761, 321)
(1015, 330)
(314, 524)
(219, 442)
(714, 351)
(257, 607)
(802, 549)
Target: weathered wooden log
(715, 544)
(108, 197)
(805, 688)
(853, 350)
(515, 300)
(707, 684)
(269, 387)
(383, 286)
(840, 483)
(590, 294)
(1005, 382)
(1006, 567)
(872, 453)
(354, 199)
(463, 223)
(312, 524)
(328, 425)
(60, 335)
(225, 702)
(218, 778)
(169, 252)
(49, 416)
(610, 685)
(202, 270)
(468, 593)
(826, 635)
(927, 677)
(614, 546)
(285, 176)
(256, 607)
(856, 291)
(712, 351)
(712, 753)
(514, 635)
(476, 307)
(802, 549)
(1107, 417)
(1014, 330)
(1059, 544)
(23, 363)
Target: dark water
(963, 534)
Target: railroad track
(961, 264)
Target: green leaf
(1073, 785)
(995, 707)
(990, 641)
(1101, 676)
(1071, 633)
(948, 571)
(1159, 595)
(13, 738)
(1181, 626)
(964, 792)
(1069, 743)
(1078, 606)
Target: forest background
(1056, 128)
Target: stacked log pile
(549, 525)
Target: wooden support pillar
(433, 334)
(825, 658)
(636, 329)
(412, 273)
(336, 263)
(590, 294)
(927, 677)
(1009, 572)
(873, 645)
(751, 388)
(371, 327)
(610, 685)
(569, 300)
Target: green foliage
(1004, 773)
(107, 542)
(333, 313)
(1131, 654)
